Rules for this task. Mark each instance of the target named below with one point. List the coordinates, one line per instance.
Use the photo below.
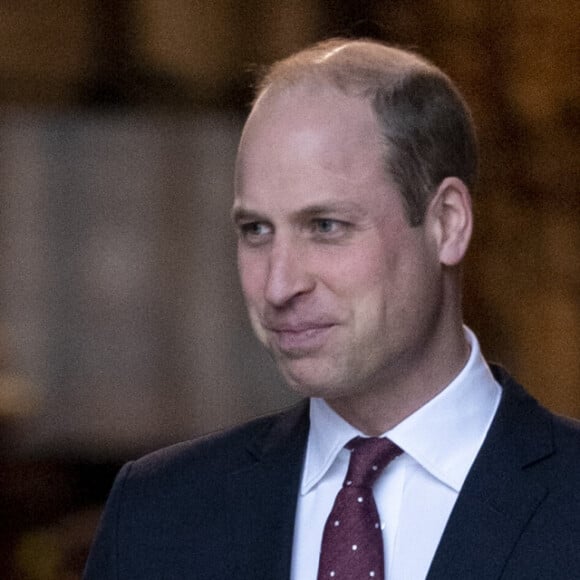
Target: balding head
(425, 124)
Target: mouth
(299, 340)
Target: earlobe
(451, 217)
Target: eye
(325, 225)
(328, 227)
(255, 228)
(254, 232)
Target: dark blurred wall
(121, 323)
(74, 73)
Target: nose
(288, 274)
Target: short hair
(427, 126)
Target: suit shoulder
(224, 450)
(567, 434)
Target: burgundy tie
(352, 543)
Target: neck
(379, 409)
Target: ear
(450, 219)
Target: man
(353, 210)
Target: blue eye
(329, 228)
(255, 229)
(254, 232)
(326, 226)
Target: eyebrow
(332, 207)
(239, 213)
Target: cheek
(251, 277)
(381, 285)
(362, 284)
(357, 264)
(251, 281)
(368, 271)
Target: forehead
(312, 111)
(309, 142)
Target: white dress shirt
(416, 492)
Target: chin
(314, 385)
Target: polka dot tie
(352, 542)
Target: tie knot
(368, 457)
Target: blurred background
(121, 323)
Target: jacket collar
(500, 493)
(265, 492)
(497, 500)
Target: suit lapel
(498, 499)
(265, 493)
(500, 494)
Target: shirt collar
(328, 435)
(443, 436)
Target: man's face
(340, 289)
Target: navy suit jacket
(223, 506)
